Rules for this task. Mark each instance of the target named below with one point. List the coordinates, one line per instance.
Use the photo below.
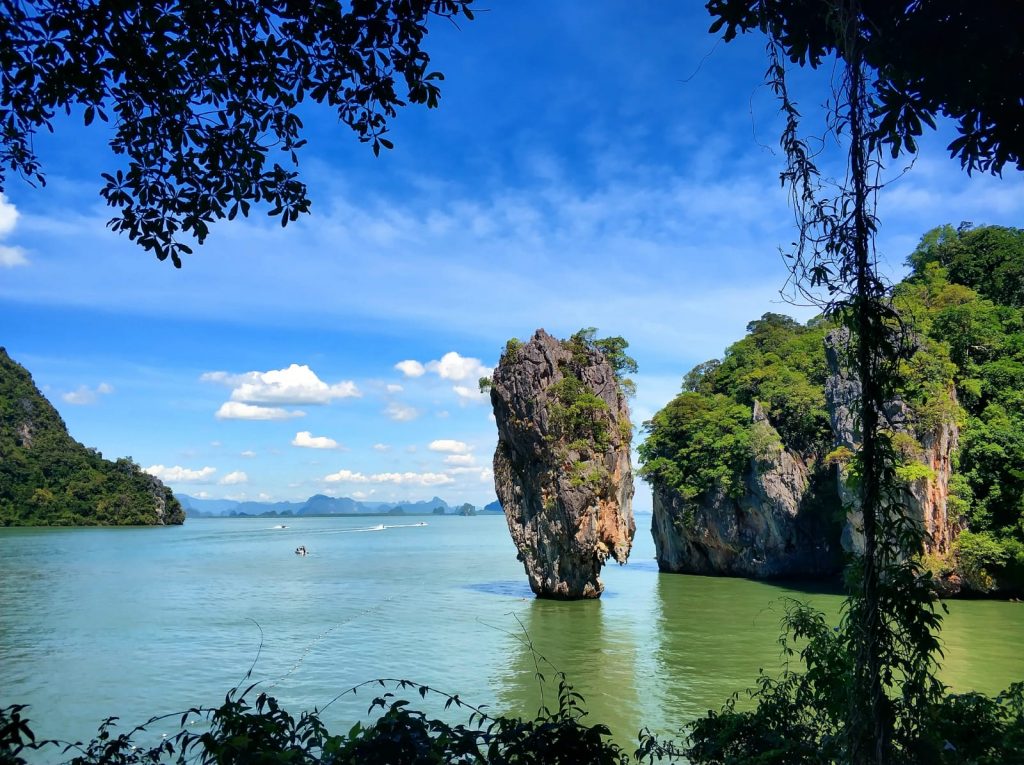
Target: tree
(890, 84)
(202, 95)
(952, 58)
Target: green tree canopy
(203, 96)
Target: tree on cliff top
(200, 94)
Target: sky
(597, 163)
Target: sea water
(140, 622)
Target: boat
(300, 550)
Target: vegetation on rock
(704, 439)
(49, 479)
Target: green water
(137, 622)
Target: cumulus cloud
(234, 410)
(234, 478)
(179, 474)
(346, 476)
(410, 368)
(297, 384)
(405, 479)
(470, 393)
(307, 440)
(460, 459)
(394, 388)
(248, 453)
(400, 412)
(83, 394)
(9, 256)
(415, 479)
(449, 445)
(381, 447)
(454, 367)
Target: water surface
(138, 622)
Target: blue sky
(598, 164)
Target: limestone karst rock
(925, 499)
(787, 519)
(562, 465)
(779, 527)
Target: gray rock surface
(567, 500)
(779, 527)
(926, 499)
(789, 520)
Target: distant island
(47, 478)
(320, 504)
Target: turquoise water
(138, 622)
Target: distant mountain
(47, 478)
(200, 507)
(493, 507)
(318, 504)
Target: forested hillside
(49, 479)
(963, 307)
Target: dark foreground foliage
(798, 719)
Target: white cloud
(454, 367)
(297, 384)
(401, 412)
(415, 479)
(449, 445)
(12, 256)
(346, 476)
(307, 440)
(83, 395)
(233, 410)
(460, 459)
(483, 474)
(381, 447)
(394, 388)
(9, 256)
(403, 479)
(179, 474)
(410, 368)
(234, 478)
(248, 453)
(471, 393)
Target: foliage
(798, 717)
(578, 415)
(895, 43)
(202, 96)
(886, 83)
(49, 479)
(243, 733)
(698, 444)
(613, 349)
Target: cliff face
(925, 499)
(780, 526)
(562, 465)
(787, 520)
(48, 478)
